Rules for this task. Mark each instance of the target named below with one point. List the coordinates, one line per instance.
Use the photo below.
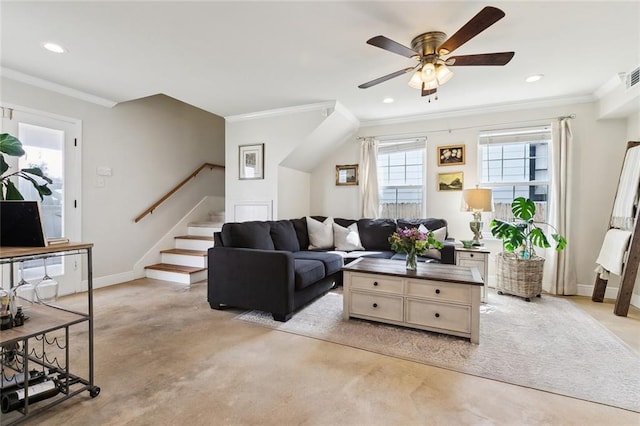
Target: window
(401, 175)
(515, 163)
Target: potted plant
(11, 146)
(519, 270)
(413, 242)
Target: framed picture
(347, 174)
(450, 181)
(451, 155)
(251, 161)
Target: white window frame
(389, 146)
(523, 135)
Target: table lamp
(477, 200)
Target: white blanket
(611, 257)
(627, 195)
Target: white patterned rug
(547, 344)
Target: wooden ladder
(630, 267)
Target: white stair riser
(176, 277)
(202, 231)
(184, 259)
(188, 244)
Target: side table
(475, 257)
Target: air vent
(633, 78)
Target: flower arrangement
(413, 242)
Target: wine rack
(39, 368)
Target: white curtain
(369, 178)
(560, 274)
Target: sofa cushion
(375, 233)
(283, 235)
(429, 223)
(307, 272)
(300, 225)
(346, 238)
(254, 235)
(320, 233)
(439, 235)
(332, 262)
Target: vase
(412, 260)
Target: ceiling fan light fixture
(416, 80)
(443, 74)
(428, 72)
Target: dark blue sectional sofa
(266, 265)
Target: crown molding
(55, 87)
(328, 108)
(504, 107)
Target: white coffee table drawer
(434, 290)
(432, 314)
(377, 283)
(376, 305)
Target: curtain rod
(423, 133)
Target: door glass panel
(44, 148)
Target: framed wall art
(450, 181)
(251, 161)
(347, 174)
(451, 155)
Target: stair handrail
(150, 210)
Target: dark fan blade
(385, 78)
(387, 44)
(483, 20)
(501, 58)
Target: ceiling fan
(430, 49)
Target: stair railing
(150, 210)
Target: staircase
(187, 262)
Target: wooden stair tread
(179, 269)
(194, 237)
(187, 252)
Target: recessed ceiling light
(534, 77)
(388, 100)
(53, 47)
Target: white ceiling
(233, 58)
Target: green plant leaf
(3, 165)
(523, 208)
(12, 191)
(37, 172)
(537, 238)
(10, 145)
(561, 242)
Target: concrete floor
(163, 357)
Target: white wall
(151, 145)
(293, 193)
(597, 154)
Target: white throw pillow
(347, 239)
(320, 233)
(439, 234)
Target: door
(50, 143)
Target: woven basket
(518, 276)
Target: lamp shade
(477, 200)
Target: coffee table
(435, 297)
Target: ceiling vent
(633, 78)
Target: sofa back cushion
(254, 235)
(283, 235)
(431, 224)
(375, 233)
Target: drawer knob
(437, 315)
(375, 305)
(437, 291)
(471, 255)
(375, 283)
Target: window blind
(514, 136)
(388, 147)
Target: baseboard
(610, 293)
(109, 280)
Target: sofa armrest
(448, 253)
(251, 279)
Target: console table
(435, 297)
(42, 344)
(475, 257)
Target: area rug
(548, 344)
